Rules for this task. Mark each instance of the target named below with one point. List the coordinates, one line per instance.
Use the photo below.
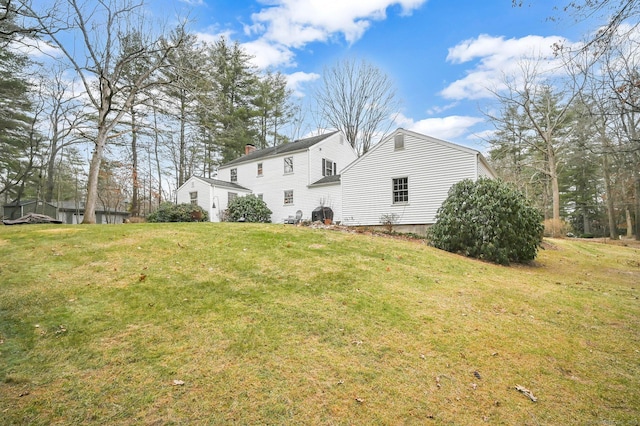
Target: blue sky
(442, 54)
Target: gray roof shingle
(298, 145)
(327, 180)
(223, 183)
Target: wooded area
(568, 135)
(126, 110)
(143, 107)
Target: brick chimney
(249, 148)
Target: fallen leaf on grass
(359, 400)
(25, 393)
(527, 392)
(178, 383)
(142, 277)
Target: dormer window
(329, 168)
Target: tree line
(142, 107)
(568, 136)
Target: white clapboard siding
(213, 195)
(431, 166)
(307, 169)
(484, 169)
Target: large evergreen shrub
(169, 212)
(249, 207)
(489, 220)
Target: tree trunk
(182, 142)
(135, 198)
(637, 207)
(611, 212)
(555, 189)
(92, 183)
(157, 155)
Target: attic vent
(398, 141)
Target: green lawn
(273, 324)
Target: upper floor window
(400, 190)
(193, 197)
(329, 168)
(288, 165)
(398, 141)
(259, 169)
(234, 175)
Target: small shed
(21, 208)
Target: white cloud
(267, 54)
(440, 109)
(294, 23)
(193, 2)
(493, 58)
(296, 80)
(211, 38)
(283, 25)
(35, 49)
(446, 128)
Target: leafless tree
(64, 117)
(547, 112)
(99, 62)
(613, 14)
(357, 98)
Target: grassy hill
(269, 324)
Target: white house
(213, 195)
(405, 178)
(298, 176)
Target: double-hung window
(329, 168)
(193, 197)
(234, 175)
(288, 196)
(400, 190)
(259, 169)
(288, 165)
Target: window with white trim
(234, 175)
(193, 197)
(400, 190)
(288, 165)
(231, 196)
(288, 196)
(259, 169)
(329, 168)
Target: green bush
(489, 220)
(250, 207)
(169, 212)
